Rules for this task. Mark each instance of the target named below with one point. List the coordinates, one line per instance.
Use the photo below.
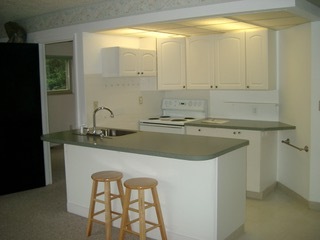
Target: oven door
(163, 128)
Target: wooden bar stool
(141, 184)
(106, 177)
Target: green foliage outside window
(58, 70)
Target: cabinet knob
(199, 130)
(216, 86)
(248, 86)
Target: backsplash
(251, 105)
(122, 96)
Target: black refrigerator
(22, 154)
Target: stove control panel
(183, 104)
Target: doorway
(61, 104)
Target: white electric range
(175, 113)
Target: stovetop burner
(178, 120)
(169, 118)
(177, 112)
(189, 118)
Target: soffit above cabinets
(275, 20)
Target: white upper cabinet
(171, 53)
(245, 60)
(236, 60)
(230, 61)
(260, 60)
(127, 62)
(200, 62)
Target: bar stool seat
(105, 177)
(141, 185)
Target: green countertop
(178, 146)
(240, 124)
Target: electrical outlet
(140, 100)
(254, 110)
(95, 104)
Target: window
(59, 69)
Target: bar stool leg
(92, 206)
(159, 213)
(108, 214)
(124, 220)
(142, 218)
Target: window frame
(68, 89)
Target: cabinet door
(260, 59)
(129, 62)
(253, 150)
(230, 61)
(171, 63)
(148, 63)
(200, 67)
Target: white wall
(314, 195)
(295, 90)
(119, 94)
(243, 104)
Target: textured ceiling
(15, 10)
(275, 20)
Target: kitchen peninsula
(202, 180)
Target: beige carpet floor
(40, 214)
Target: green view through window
(58, 70)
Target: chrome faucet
(94, 116)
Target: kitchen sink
(107, 132)
(116, 132)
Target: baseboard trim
(262, 195)
(311, 205)
(236, 233)
(314, 205)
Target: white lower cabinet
(261, 156)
